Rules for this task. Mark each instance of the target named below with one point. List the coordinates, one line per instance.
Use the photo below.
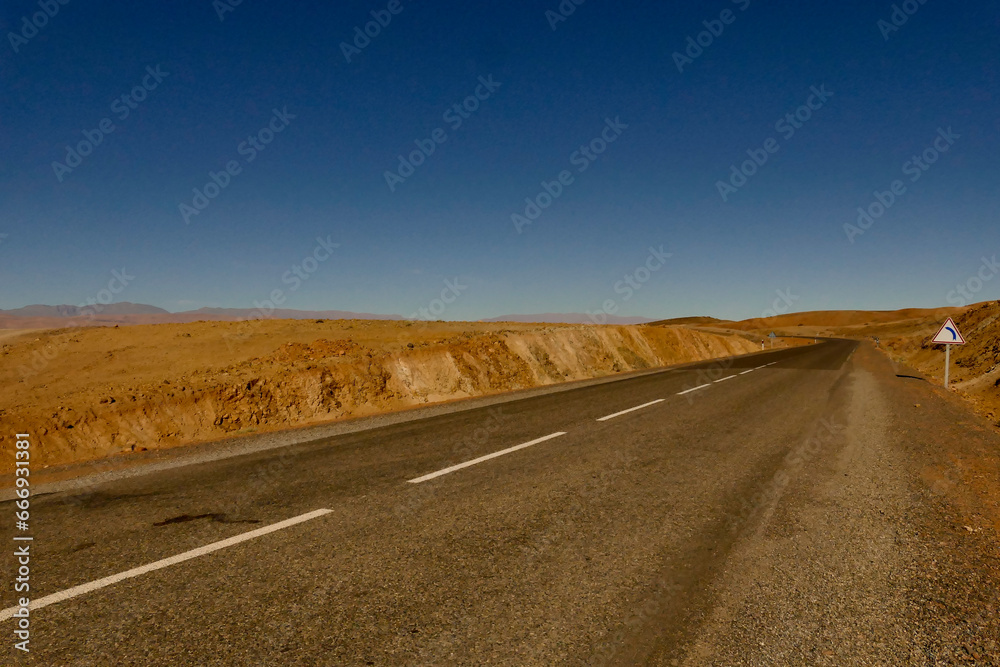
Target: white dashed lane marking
(160, 564)
(473, 462)
(625, 412)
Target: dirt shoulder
(954, 461)
(882, 548)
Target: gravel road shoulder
(882, 547)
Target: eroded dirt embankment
(975, 366)
(91, 393)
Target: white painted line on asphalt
(625, 412)
(771, 364)
(726, 378)
(473, 462)
(760, 367)
(749, 371)
(688, 391)
(160, 564)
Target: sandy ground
(95, 392)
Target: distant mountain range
(699, 321)
(283, 314)
(44, 317)
(123, 308)
(569, 318)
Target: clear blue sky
(323, 174)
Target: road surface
(773, 509)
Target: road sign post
(948, 335)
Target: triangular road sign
(949, 334)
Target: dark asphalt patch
(217, 518)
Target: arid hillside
(842, 321)
(975, 366)
(99, 391)
(905, 336)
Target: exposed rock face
(105, 391)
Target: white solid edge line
(160, 564)
(726, 378)
(625, 412)
(749, 371)
(473, 462)
(688, 391)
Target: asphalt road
(761, 518)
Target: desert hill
(905, 335)
(834, 319)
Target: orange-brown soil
(92, 392)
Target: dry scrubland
(89, 393)
(905, 336)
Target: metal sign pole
(947, 364)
